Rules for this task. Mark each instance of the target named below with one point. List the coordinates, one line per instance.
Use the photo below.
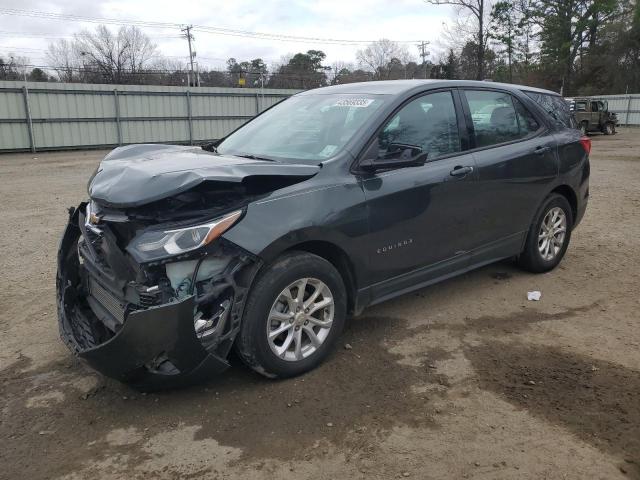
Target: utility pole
(187, 34)
(422, 47)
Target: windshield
(306, 127)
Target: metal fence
(55, 116)
(48, 116)
(627, 107)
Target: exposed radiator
(113, 305)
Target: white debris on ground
(535, 295)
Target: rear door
(516, 159)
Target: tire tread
(262, 289)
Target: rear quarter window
(556, 107)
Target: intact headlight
(156, 244)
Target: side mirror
(398, 155)
(211, 146)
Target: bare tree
(378, 56)
(103, 55)
(116, 57)
(63, 58)
(477, 10)
(12, 67)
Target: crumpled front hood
(139, 174)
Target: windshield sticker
(354, 102)
(328, 151)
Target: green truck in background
(593, 115)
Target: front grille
(113, 305)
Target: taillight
(586, 144)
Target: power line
(201, 28)
(8, 47)
(48, 35)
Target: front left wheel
(584, 128)
(294, 315)
(609, 129)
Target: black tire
(531, 258)
(252, 344)
(584, 128)
(609, 129)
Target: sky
(407, 21)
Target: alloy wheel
(552, 233)
(300, 319)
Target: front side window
(428, 122)
(309, 128)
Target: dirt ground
(466, 379)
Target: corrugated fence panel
(269, 102)
(213, 129)
(70, 105)
(11, 104)
(132, 105)
(65, 116)
(155, 131)
(55, 135)
(13, 136)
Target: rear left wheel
(548, 236)
(293, 317)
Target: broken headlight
(156, 244)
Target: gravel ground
(466, 379)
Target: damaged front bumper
(124, 332)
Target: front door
(419, 216)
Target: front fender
(334, 213)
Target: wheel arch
(568, 192)
(338, 258)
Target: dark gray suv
(333, 200)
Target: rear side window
(498, 118)
(526, 121)
(557, 108)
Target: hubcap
(300, 319)
(552, 233)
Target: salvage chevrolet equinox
(330, 201)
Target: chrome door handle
(460, 171)
(541, 150)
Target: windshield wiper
(252, 157)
